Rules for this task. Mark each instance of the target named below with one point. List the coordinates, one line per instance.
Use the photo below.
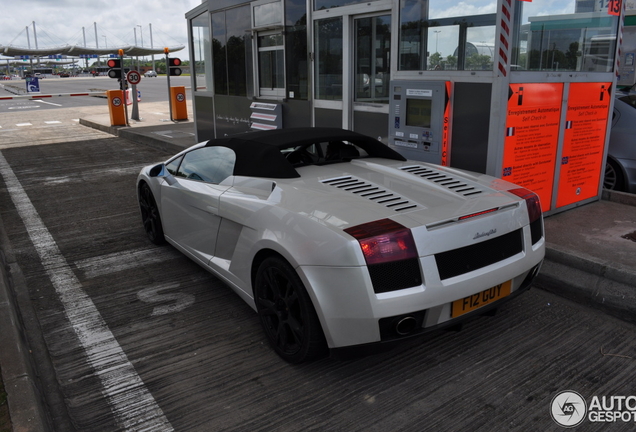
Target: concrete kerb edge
(587, 280)
(25, 401)
(134, 135)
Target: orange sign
(532, 134)
(584, 142)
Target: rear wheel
(613, 179)
(150, 215)
(286, 312)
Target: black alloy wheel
(613, 179)
(150, 215)
(287, 313)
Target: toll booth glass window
(328, 59)
(238, 19)
(219, 53)
(201, 52)
(581, 38)
(267, 14)
(296, 56)
(434, 36)
(330, 4)
(271, 64)
(372, 59)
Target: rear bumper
(352, 314)
(353, 351)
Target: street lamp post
(141, 33)
(437, 32)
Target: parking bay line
(132, 404)
(119, 261)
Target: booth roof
(75, 50)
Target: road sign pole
(122, 84)
(166, 50)
(135, 105)
(134, 78)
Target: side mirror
(157, 170)
(161, 171)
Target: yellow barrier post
(116, 107)
(179, 107)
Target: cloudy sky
(60, 22)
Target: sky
(60, 22)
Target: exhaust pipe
(406, 325)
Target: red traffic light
(113, 63)
(173, 66)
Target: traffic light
(174, 67)
(115, 68)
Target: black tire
(287, 313)
(613, 179)
(150, 215)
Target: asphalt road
(127, 335)
(152, 90)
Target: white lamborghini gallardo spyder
(340, 243)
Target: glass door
(372, 50)
(352, 66)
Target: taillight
(534, 212)
(532, 202)
(384, 241)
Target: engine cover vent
(451, 183)
(372, 192)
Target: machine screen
(418, 112)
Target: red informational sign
(532, 135)
(614, 7)
(446, 126)
(584, 142)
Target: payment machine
(418, 120)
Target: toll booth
(515, 89)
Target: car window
(629, 99)
(324, 153)
(173, 165)
(207, 164)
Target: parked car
(337, 241)
(620, 167)
(150, 73)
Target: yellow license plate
(475, 301)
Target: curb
(590, 281)
(131, 134)
(25, 400)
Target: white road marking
(46, 102)
(132, 405)
(53, 122)
(151, 295)
(119, 261)
(23, 124)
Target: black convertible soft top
(258, 154)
